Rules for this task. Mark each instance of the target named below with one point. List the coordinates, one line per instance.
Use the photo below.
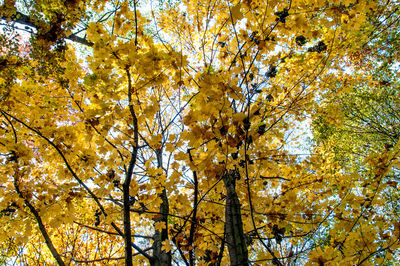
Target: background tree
(166, 140)
(360, 130)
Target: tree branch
(27, 21)
(42, 228)
(95, 198)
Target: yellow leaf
(166, 246)
(159, 226)
(235, 13)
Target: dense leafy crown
(169, 133)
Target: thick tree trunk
(160, 257)
(235, 237)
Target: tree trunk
(160, 257)
(235, 237)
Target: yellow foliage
(122, 120)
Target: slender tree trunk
(127, 226)
(128, 179)
(235, 237)
(160, 257)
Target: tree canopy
(168, 133)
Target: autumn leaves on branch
(135, 133)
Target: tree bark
(235, 237)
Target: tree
(362, 136)
(161, 138)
